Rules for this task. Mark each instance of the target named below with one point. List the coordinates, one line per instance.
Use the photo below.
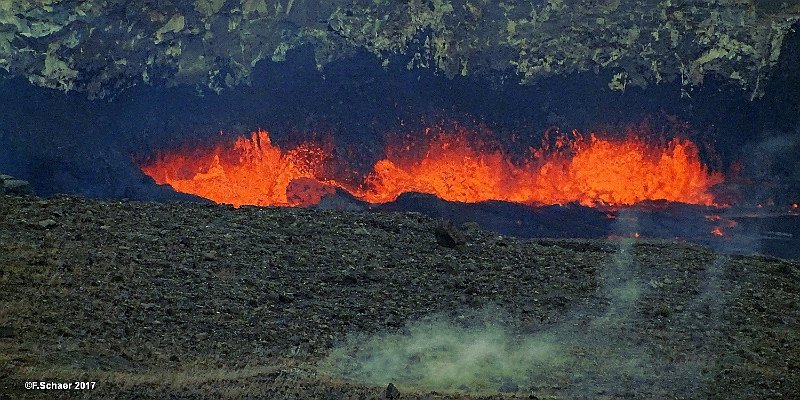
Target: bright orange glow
(590, 171)
(253, 171)
(452, 165)
(718, 232)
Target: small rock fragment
(15, 187)
(7, 332)
(350, 278)
(392, 392)
(471, 226)
(448, 236)
(47, 223)
(285, 297)
(508, 386)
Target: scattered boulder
(7, 332)
(14, 186)
(508, 386)
(340, 200)
(392, 392)
(448, 235)
(47, 223)
(210, 255)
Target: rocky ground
(182, 300)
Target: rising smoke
(597, 350)
(475, 353)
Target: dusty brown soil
(179, 300)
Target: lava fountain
(251, 171)
(590, 170)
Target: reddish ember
(717, 232)
(589, 170)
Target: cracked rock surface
(103, 47)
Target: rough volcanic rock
(13, 186)
(392, 392)
(103, 47)
(448, 235)
(125, 294)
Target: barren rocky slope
(181, 300)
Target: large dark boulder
(13, 186)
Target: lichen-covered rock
(104, 47)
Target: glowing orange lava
(588, 170)
(252, 171)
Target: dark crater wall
(65, 143)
